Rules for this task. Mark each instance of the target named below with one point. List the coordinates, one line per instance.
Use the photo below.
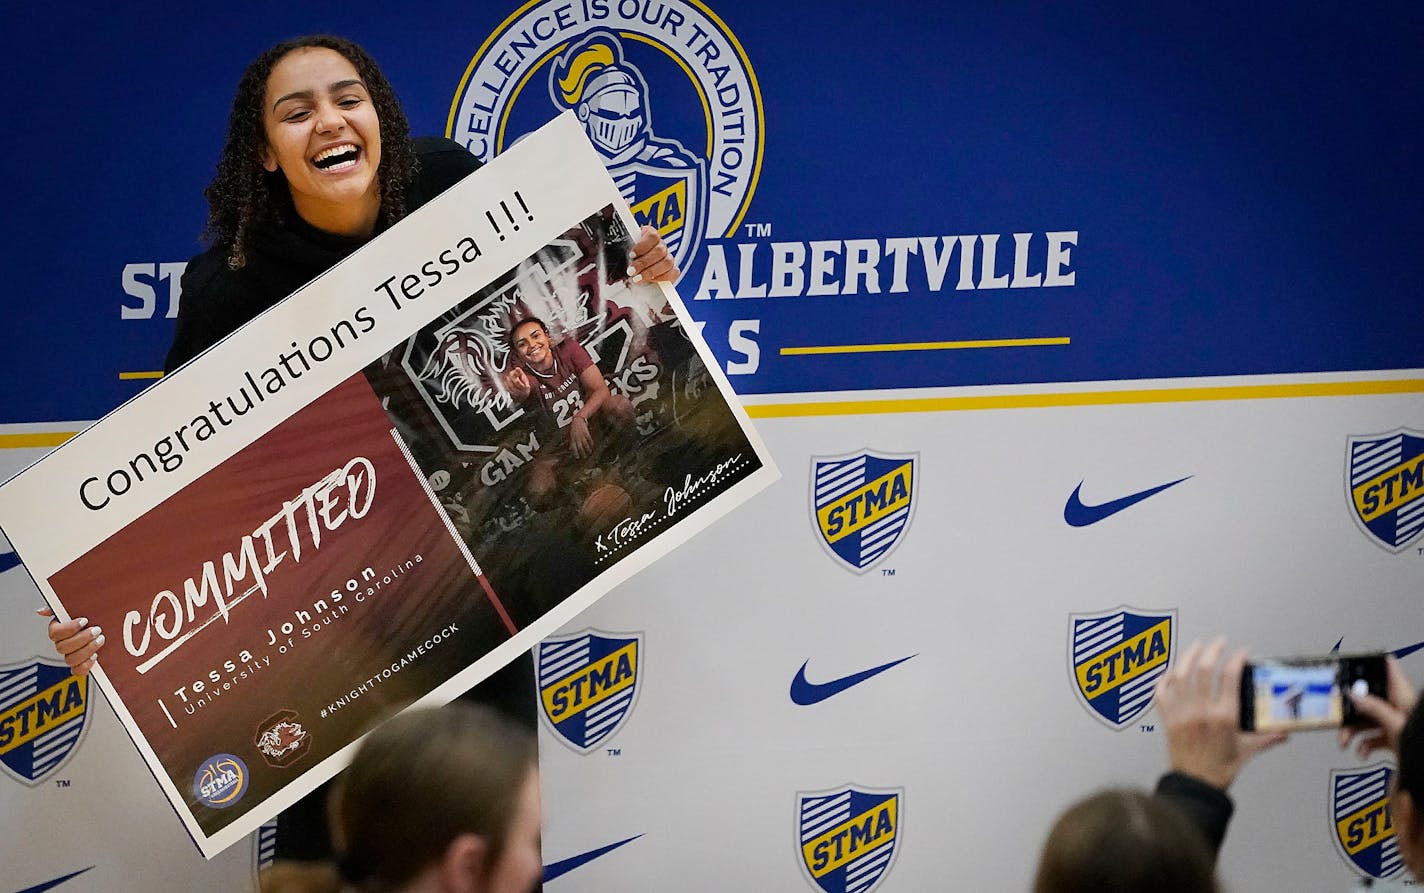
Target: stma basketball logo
(1359, 816)
(662, 88)
(43, 715)
(862, 503)
(848, 837)
(1116, 658)
(588, 684)
(221, 781)
(1384, 479)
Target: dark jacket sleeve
(443, 163)
(1207, 807)
(196, 329)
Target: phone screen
(1296, 696)
(1289, 694)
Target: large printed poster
(386, 487)
(492, 426)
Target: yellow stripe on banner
(1086, 398)
(34, 441)
(135, 376)
(923, 345)
(996, 401)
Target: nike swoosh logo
(564, 866)
(1079, 515)
(50, 885)
(805, 693)
(1407, 650)
(7, 561)
(1396, 653)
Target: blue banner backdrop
(1181, 193)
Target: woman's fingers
(651, 260)
(75, 640)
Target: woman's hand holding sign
(75, 640)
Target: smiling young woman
(298, 92)
(324, 135)
(318, 160)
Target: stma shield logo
(1116, 658)
(1384, 478)
(863, 503)
(1359, 810)
(43, 716)
(848, 836)
(588, 684)
(663, 89)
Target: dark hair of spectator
(1409, 777)
(1124, 841)
(416, 783)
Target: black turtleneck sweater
(282, 257)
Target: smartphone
(1286, 694)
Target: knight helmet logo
(664, 184)
(862, 504)
(1116, 658)
(848, 836)
(43, 716)
(1384, 479)
(588, 684)
(669, 100)
(1359, 814)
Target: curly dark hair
(244, 194)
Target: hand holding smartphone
(1297, 693)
